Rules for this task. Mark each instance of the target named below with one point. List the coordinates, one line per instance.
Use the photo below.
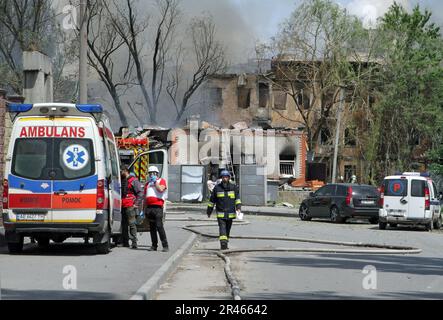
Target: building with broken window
(287, 99)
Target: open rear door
(140, 165)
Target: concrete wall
(38, 78)
(292, 197)
(253, 186)
(174, 180)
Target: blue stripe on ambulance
(35, 186)
(44, 186)
(89, 183)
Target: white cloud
(370, 10)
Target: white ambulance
(62, 176)
(409, 198)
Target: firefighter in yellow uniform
(226, 200)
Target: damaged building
(275, 100)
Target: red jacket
(134, 193)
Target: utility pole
(83, 65)
(337, 132)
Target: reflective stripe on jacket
(225, 200)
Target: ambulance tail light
(382, 196)
(349, 197)
(5, 197)
(427, 199)
(100, 194)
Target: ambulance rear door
(140, 165)
(112, 180)
(74, 171)
(30, 181)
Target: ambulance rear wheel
(15, 247)
(104, 248)
(430, 226)
(438, 223)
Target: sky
(242, 23)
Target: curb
(147, 291)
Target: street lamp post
(83, 65)
(337, 132)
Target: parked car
(410, 198)
(342, 201)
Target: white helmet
(153, 169)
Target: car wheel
(335, 215)
(373, 220)
(304, 213)
(382, 225)
(438, 223)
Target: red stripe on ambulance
(30, 201)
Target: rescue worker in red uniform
(155, 196)
(132, 201)
(226, 199)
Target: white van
(62, 176)
(409, 198)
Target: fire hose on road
(371, 248)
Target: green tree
(409, 91)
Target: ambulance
(62, 176)
(410, 198)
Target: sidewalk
(248, 210)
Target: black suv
(342, 201)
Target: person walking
(226, 200)
(155, 196)
(132, 200)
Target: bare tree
(209, 58)
(25, 25)
(132, 29)
(104, 46)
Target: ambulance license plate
(30, 217)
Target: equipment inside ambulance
(62, 176)
(409, 198)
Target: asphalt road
(45, 274)
(289, 276)
(39, 274)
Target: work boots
(223, 245)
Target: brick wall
(2, 140)
(5, 131)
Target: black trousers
(155, 217)
(224, 226)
